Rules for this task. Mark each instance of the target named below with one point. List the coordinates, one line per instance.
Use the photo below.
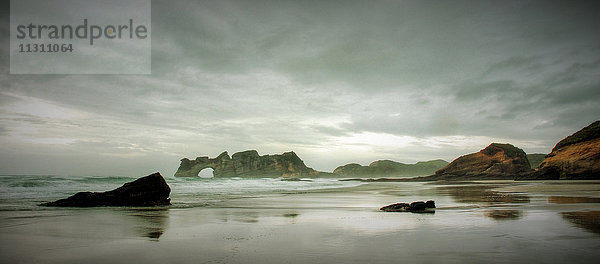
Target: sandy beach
(491, 222)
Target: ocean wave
(185, 192)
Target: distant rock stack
(576, 157)
(248, 164)
(388, 168)
(535, 159)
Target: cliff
(575, 157)
(496, 161)
(388, 168)
(248, 164)
(587, 133)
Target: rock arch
(191, 168)
(247, 164)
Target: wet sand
(489, 222)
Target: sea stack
(248, 164)
(496, 161)
(151, 190)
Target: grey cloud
(576, 84)
(515, 64)
(296, 75)
(472, 90)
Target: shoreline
(473, 221)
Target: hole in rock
(206, 173)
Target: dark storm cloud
(335, 77)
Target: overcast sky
(334, 81)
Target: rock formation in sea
(249, 164)
(575, 157)
(151, 190)
(496, 161)
(388, 168)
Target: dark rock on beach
(151, 190)
(414, 207)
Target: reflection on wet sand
(292, 215)
(241, 216)
(482, 194)
(572, 200)
(151, 222)
(504, 214)
(589, 220)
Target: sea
(322, 220)
(26, 192)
